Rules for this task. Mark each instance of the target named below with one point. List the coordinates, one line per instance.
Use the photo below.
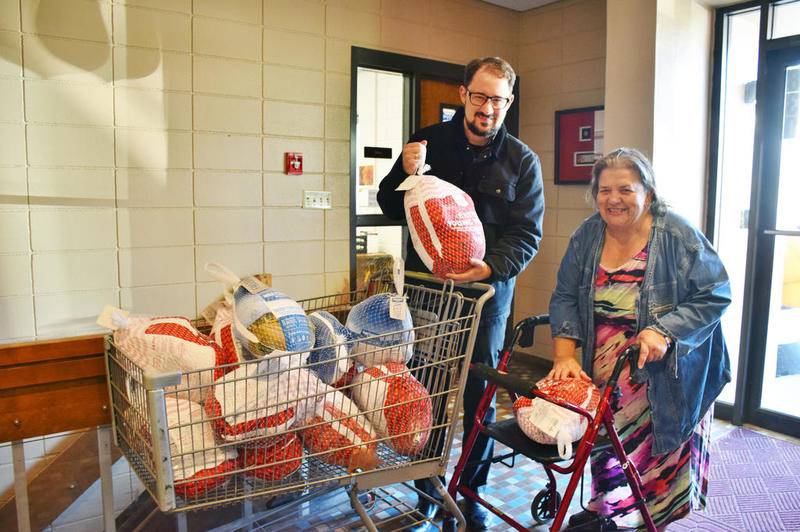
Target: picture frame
(578, 144)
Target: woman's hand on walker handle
(564, 367)
(564, 363)
(652, 346)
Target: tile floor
(511, 489)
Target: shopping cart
(159, 440)
(547, 504)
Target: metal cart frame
(445, 324)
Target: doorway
(757, 233)
(390, 94)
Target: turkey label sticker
(253, 285)
(397, 307)
(409, 182)
(397, 304)
(548, 419)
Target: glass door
(735, 167)
(775, 377)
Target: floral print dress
(673, 483)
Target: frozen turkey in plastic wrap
(550, 424)
(380, 337)
(199, 465)
(266, 320)
(397, 404)
(330, 358)
(252, 402)
(173, 344)
(342, 434)
(444, 227)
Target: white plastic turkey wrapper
(380, 338)
(172, 344)
(191, 440)
(330, 358)
(255, 403)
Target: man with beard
(503, 177)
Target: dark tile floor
(509, 489)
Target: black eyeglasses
(479, 99)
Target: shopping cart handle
(503, 379)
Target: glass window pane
(785, 19)
(788, 216)
(380, 124)
(376, 248)
(782, 355)
(735, 167)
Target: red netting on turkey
(271, 459)
(444, 227)
(342, 434)
(397, 404)
(199, 464)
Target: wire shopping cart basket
(269, 426)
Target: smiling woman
(636, 273)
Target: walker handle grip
(503, 379)
(527, 328)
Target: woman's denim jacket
(683, 295)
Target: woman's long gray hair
(634, 160)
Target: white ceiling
(520, 5)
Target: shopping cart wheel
(367, 499)
(542, 510)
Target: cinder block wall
(141, 138)
(562, 62)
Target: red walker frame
(523, 332)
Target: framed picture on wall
(578, 144)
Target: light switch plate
(316, 199)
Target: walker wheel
(541, 509)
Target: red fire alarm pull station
(293, 163)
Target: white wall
(140, 139)
(684, 36)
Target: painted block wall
(562, 50)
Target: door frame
(746, 406)
(414, 69)
(766, 168)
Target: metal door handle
(778, 232)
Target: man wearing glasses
(504, 178)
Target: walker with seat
(548, 504)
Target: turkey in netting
(550, 424)
(380, 337)
(444, 227)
